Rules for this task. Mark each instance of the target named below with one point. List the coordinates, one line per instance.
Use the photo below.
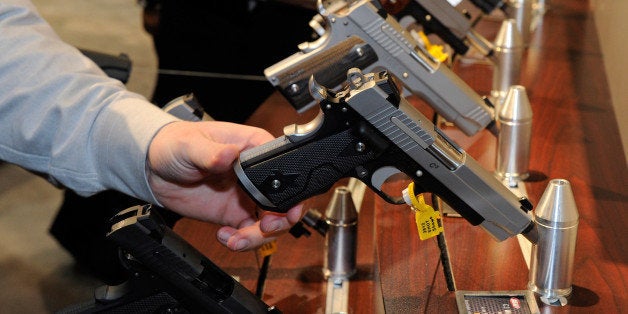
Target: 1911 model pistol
(361, 34)
(452, 26)
(368, 131)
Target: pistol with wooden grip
(361, 34)
(369, 132)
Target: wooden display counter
(575, 137)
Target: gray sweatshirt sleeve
(62, 117)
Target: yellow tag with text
(267, 249)
(428, 220)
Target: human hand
(190, 172)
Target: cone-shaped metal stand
(551, 265)
(515, 132)
(508, 53)
(521, 12)
(539, 7)
(341, 237)
(341, 246)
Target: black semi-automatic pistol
(167, 274)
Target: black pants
(225, 37)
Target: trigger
(396, 200)
(377, 181)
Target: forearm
(60, 115)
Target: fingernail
(224, 235)
(241, 244)
(273, 226)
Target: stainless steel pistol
(361, 34)
(369, 132)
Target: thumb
(213, 157)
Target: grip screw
(360, 147)
(294, 88)
(360, 52)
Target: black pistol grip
(281, 174)
(328, 65)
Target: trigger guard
(396, 200)
(301, 132)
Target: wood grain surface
(575, 137)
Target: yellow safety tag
(428, 220)
(435, 50)
(267, 249)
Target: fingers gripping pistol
(368, 131)
(361, 34)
